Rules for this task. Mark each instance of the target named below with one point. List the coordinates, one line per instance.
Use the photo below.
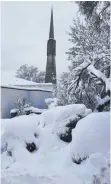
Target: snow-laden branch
(93, 72)
(101, 76)
(78, 74)
(102, 102)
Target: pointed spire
(51, 33)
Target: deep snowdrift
(51, 162)
(62, 113)
(63, 119)
(91, 135)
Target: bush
(67, 136)
(94, 129)
(78, 160)
(31, 147)
(20, 105)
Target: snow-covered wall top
(40, 87)
(9, 80)
(35, 96)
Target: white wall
(9, 96)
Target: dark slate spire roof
(51, 33)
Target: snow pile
(91, 135)
(63, 119)
(51, 161)
(16, 135)
(63, 113)
(34, 110)
(18, 164)
(69, 114)
(13, 111)
(100, 162)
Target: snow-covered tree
(62, 89)
(90, 64)
(31, 73)
(40, 77)
(20, 105)
(97, 12)
(89, 71)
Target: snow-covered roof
(8, 79)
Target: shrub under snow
(90, 136)
(22, 108)
(31, 150)
(19, 135)
(63, 119)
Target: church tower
(51, 55)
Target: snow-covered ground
(52, 162)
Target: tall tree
(89, 71)
(98, 12)
(62, 86)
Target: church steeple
(50, 76)
(51, 33)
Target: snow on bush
(14, 113)
(26, 145)
(32, 109)
(63, 113)
(51, 102)
(20, 106)
(31, 150)
(64, 118)
(19, 135)
(91, 135)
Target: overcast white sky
(25, 30)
